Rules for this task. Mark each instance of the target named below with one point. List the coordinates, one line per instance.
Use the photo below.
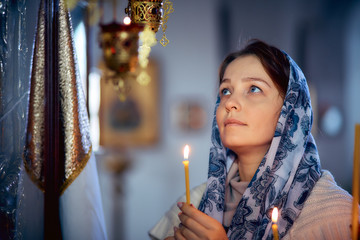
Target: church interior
(139, 126)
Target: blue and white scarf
(284, 178)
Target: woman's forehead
(246, 68)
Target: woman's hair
(273, 60)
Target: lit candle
(186, 167)
(274, 218)
(356, 180)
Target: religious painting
(134, 121)
(188, 116)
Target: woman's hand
(197, 225)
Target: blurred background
(140, 166)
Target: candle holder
(146, 12)
(152, 13)
(119, 43)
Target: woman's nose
(232, 104)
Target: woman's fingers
(188, 233)
(200, 217)
(178, 234)
(170, 238)
(198, 225)
(190, 227)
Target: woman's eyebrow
(224, 80)
(247, 79)
(254, 79)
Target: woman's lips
(232, 121)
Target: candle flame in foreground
(186, 151)
(275, 214)
(127, 20)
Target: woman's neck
(249, 162)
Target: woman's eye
(225, 91)
(254, 89)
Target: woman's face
(249, 106)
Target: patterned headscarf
(284, 178)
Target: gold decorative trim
(32, 176)
(67, 182)
(76, 173)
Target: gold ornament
(167, 8)
(120, 46)
(145, 12)
(152, 13)
(119, 43)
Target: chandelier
(126, 46)
(152, 13)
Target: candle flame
(186, 151)
(127, 20)
(275, 214)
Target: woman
(262, 156)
